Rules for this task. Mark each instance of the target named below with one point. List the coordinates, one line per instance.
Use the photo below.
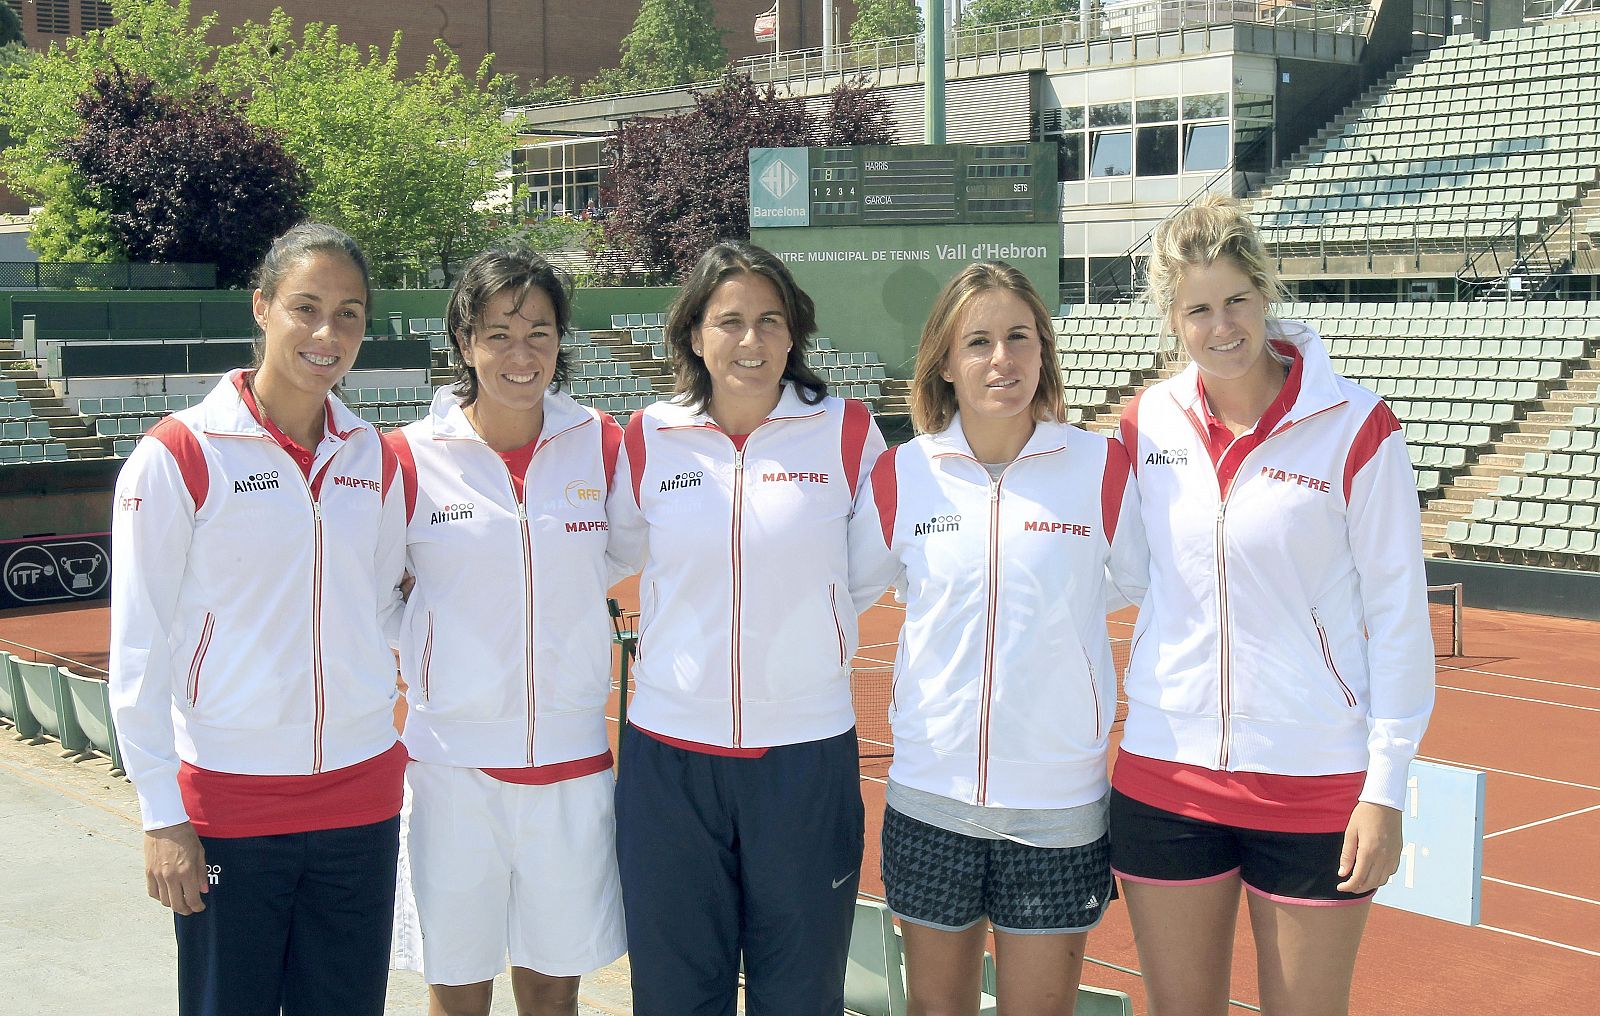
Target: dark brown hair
(495, 271)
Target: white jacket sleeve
(1128, 568)
(874, 562)
(152, 526)
(1386, 538)
(628, 534)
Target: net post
(1458, 601)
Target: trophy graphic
(81, 570)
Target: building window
(1205, 147)
(1111, 114)
(1158, 150)
(93, 14)
(52, 17)
(1111, 153)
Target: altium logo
(452, 513)
(938, 524)
(689, 478)
(257, 481)
(1168, 457)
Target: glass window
(1111, 153)
(1199, 107)
(1069, 158)
(1205, 147)
(1252, 148)
(1110, 278)
(1158, 150)
(1071, 281)
(1157, 110)
(1111, 114)
(1072, 118)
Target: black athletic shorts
(1159, 847)
(950, 881)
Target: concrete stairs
(639, 358)
(1481, 478)
(66, 426)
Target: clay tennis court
(1522, 704)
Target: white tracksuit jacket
(1004, 689)
(1286, 627)
(747, 624)
(505, 642)
(246, 627)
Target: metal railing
(110, 275)
(1550, 253)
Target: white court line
(874, 659)
(877, 645)
(1517, 677)
(1543, 821)
(1518, 698)
(1547, 892)
(1541, 941)
(1509, 772)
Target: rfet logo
(582, 492)
(1298, 479)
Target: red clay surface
(1524, 705)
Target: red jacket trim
(180, 442)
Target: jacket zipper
(738, 591)
(993, 576)
(1327, 657)
(1225, 638)
(198, 661)
(427, 658)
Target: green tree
(885, 19)
(409, 167)
(10, 27)
(997, 12)
(673, 42)
(37, 95)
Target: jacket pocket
(197, 662)
(646, 614)
(1327, 659)
(833, 607)
(427, 660)
(1094, 690)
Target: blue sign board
(780, 187)
(1441, 865)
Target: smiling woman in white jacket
(1282, 668)
(506, 653)
(997, 526)
(256, 538)
(739, 815)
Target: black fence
(88, 275)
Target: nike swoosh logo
(841, 881)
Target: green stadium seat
(13, 704)
(40, 686)
(89, 701)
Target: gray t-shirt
(1033, 827)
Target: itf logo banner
(52, 569)
(780, 187)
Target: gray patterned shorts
(950, 881)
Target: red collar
(302, 456)
(1275, 412)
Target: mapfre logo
(794, 477)
(452, 513)
(688, 478)
(358, 482)
(1057, 528)
(581, 493)
(257, 481)
(1298, 479)
(1168, 457)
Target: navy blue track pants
(298, 923)
(728, 857)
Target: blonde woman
(1282, 671)
(997, 525)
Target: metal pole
(933, 79)
(827, 36)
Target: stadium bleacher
(1468, 141)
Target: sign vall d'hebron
(873, 232)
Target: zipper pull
(994, 488)
(522, 511)
(738, 459)
(316, 508)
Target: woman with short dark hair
(739, 815)
(506, 652)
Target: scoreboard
(903, 185)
